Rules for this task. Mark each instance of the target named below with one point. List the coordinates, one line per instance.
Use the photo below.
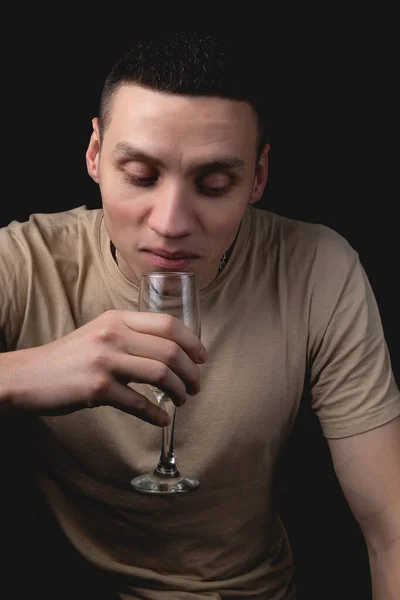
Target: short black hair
(197, 64)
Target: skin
(170, 195)
(368, 469)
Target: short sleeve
(352, 383)
(13, 285)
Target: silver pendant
(222, 262)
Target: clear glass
(176, 294)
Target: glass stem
(166, 465)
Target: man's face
(176, 174)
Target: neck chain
(226, 255)
(222, 262)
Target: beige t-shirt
(293, 300)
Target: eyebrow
(125, 152)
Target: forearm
(385, 572)
(8, 389)
(23, 379)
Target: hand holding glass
(175, 294)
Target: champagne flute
(177, 294)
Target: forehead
(167, 121)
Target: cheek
(124, 212)
(221, 223)
(116, 198)
(117, 211)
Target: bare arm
(368, 469)
(93, 365)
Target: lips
(172, 261)
(178, 255)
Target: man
(180, 156)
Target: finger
(165, 326)
(151, 372)
(128, 400)
(167, 352)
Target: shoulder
(56, 231)
(48, 223)
(48, 243)
(301, 241)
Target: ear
(261, 176)
(93, 152)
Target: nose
(172, 215)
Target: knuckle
(106, 334)
(108, 328)
(167, 322)
(99, 386)
(161, 373)
(173, 351)
(99, 363)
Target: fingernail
(203, 356)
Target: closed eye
(213, 191)
(140, 181)
(215, 183)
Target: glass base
(152, 483)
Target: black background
(332, 161)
